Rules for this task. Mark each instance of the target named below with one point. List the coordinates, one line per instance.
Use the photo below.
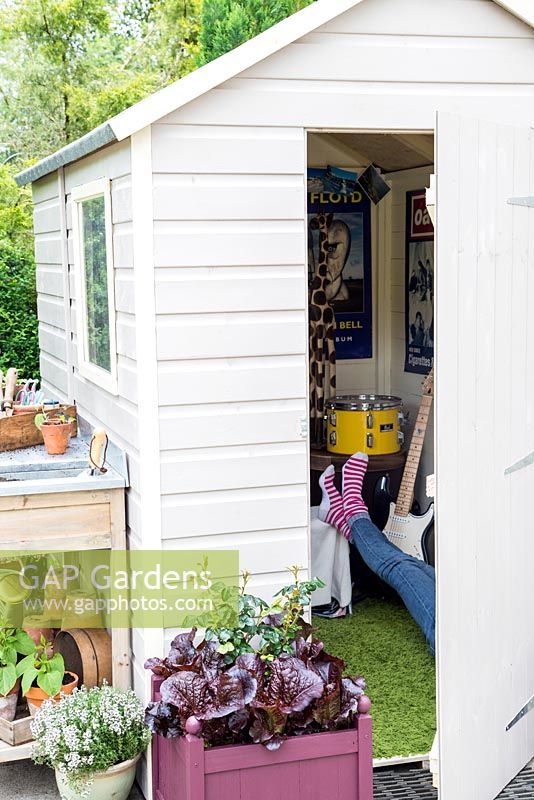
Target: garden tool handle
(11, 385)
(97, 449)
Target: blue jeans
(412, 579)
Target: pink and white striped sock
(331, 509)
(353, 474)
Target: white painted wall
(386, 65)
(52, 312)
(353, 376)
(404, 384)
(57, 309)
(231, 310)
(229, 219)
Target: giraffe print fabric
(322, 331)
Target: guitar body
(409, 533)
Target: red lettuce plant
(285, 685)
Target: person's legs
(411, 579)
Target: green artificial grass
(381, 642)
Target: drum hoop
(364, 402)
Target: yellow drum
(370, 423)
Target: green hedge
(19, 342)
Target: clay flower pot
(35, 631)
(36, 697)
(8, 703)
(115, 782)
(56, 435)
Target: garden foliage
(261, 681)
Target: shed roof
(208, 77)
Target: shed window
(95, 305)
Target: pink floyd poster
(348, 227)
(419, 285)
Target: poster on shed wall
(349, 289)
(419, 285)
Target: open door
(484, 427)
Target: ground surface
(25, 781)
(381, 642)
(416, 784)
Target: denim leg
(412, 579)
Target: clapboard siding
(400, 59)
(51, 310)
(216, 469)
(251, 547)
(265, 333)
(216, 197)
(230, 284)
(228, 244)
(216, 289)
(231, 380)
(462, 18)
(228, 149)
(220, 425)
(207, 513)
(349, 106)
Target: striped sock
(353, 474)
(331, 509)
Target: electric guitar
(408, 531)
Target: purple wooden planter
(321, 766)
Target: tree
(68, 65)
(225, 24)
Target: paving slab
(24, 780)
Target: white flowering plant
(89, 731)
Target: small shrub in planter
(93, 739)
(14, 643)
(44, 676)
(260, 695)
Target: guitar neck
(407, 488)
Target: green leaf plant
(14, 642)
(41, 668)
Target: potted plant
(56, 431)
(44, 676)
(93, 739)
(13, 643)
(260, 700)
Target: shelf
(18, 753)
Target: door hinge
(521, 201)
(522, 713)
(302, 426)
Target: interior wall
(405, 384)
(352, 376)
(384, 373)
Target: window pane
(96, 282)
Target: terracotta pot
(56, 435)
(36, 696)
(8, 703)
(34, 631)
(116, 782)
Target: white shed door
(484, 425)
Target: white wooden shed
(204, 187)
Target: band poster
(349, 290)
(419, 285)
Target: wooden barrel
(87, 652)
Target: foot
(353, 474)
(331, 509)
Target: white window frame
(101, 377)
